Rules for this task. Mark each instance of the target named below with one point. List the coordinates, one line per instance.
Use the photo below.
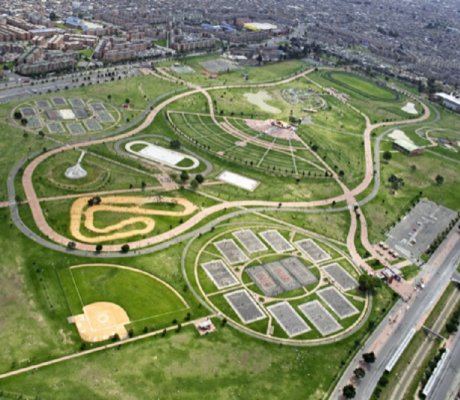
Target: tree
(439, 179)
(368, 283)
(127, 101)
(175, 144)
(17, 115)
(71, 245)
(387, 155)
(349, 392)
(369, 357)
(184, 176)
(125, 248)
(199, 178)
(98, 248)
(359, 373)
(194, 184)
(53, 16)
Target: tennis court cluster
(61, 115)
(281, 276)
(312, 250)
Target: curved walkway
(348, 196)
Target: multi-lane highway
(389, 335)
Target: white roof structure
(449, 97)
(406, 144)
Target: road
(388, 336)
(448, 383)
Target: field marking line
(293, 158)
(266, 152)
(76, 288)
(124, 267)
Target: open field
(147, 300)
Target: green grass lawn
(145, 299)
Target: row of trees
(349, 391)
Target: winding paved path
(348, 196)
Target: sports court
(92, 125)
(299, 271)
(43, 104)
(238, 180)
(340, 276)
(276, 241)
(312, 250)
(59, 101)
(232, 253)
(27, 111)
(220, 275)
(244, 306)
(76, 128)
(282, 276)
(264, 281)
(249, 240)
(288, 318)
(219, 65)
(322, 319)
(338, 302)
(80, 113)
(55, 127)
(76, 102)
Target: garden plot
(34, 122)
(338, 302)
(264, 281)
(323, 321)
(92, 125)
(76, 128)
(55, 127)
(43, 104)
(312, 250)
(238, 180)
(76, 102)
(245, 306)
(59, 101)
(340, 276)
(27, 111)
(250, 242)
(276, 241)
(232, 253)
(289, 319)
(299, 271)
(218, 272)
(162, 155)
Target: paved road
(388, 336)
(448, 384)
